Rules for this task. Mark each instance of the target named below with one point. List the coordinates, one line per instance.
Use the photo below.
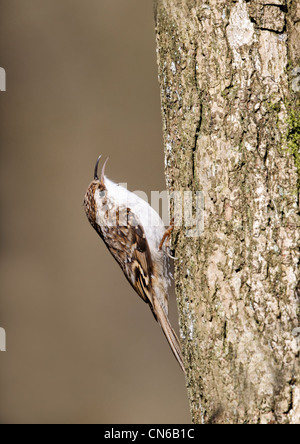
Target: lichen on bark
(224, 90)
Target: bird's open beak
(102, 172)
(96, 168)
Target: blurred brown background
(81, 346)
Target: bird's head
(96, 193)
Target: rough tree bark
(229, 94)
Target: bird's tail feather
(169, 334)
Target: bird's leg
(167, 234)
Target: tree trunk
(228, 73)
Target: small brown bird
(134, 234)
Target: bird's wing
(127, 242)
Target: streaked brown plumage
(133, 233)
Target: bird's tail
(169, 333)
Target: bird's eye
(102, 193)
